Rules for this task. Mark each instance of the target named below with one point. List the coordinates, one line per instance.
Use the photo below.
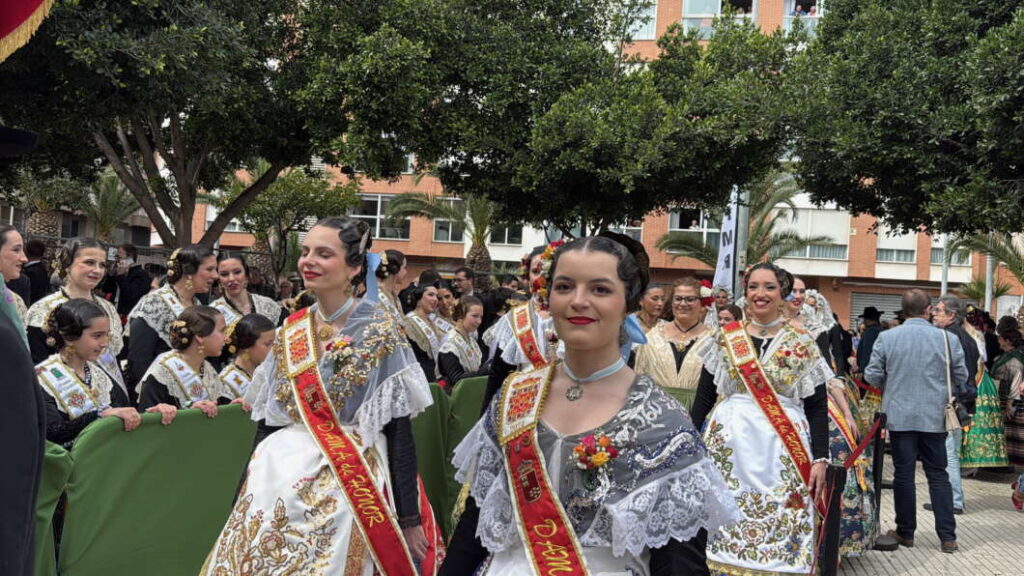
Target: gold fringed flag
(19, 19)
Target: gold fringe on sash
(23, 33)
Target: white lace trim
(404, 393)
(716, 362)
(37, 315)
(156, 313)
(675, 506)
(478, 459)
(210, 380)
(503, 336)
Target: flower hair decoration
(181, 328)
(540, 284)
(171, 262)
(384, 263)
(230, 337)
(707, 295)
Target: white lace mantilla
(661, 486)
(261, 305)
(388, 382)
(157, 313)
(465, 348)
(502, 335)
(792, 362)
(181, 386)
(39, 312)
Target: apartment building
(863, 264)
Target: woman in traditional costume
(984, 441)
(652, 305)
(729, 313)
(1008, 369)
(12, 258)
(769, 436)
(78, 391)
(423, 333)
(248, 342)
(443, 316)
(81, 264)
(392, 273)
(583, 466)
(460, 356)
(237, 301)
(182, 377)
(668, 356)
(331, 487)
(523, 338)
(190, 271)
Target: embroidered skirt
(858, 523)
(776, 534)
(984, 443)
(600, 562)
(291, 516)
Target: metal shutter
(888, 304)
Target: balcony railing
(809, 22)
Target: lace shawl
(817, 318)
(209, 379)
(260, 305)
(39, 312)
(466, 349)
(792, 363)
(424, 333)
(384, 379)
(661, 486)
(502, 335)
(157, 313)
(99, 388)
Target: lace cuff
(817, 374)
(404, 393)
(674, 506)
(479, 461)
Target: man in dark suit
(22, 422)
(129, 280)
(36, 271)
(872, 328)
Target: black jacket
(971, 357)
(39, 281)
(867, 343)
(130, 287)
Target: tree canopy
(910, 110)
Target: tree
(766, 240)
(291, 204)
(909, 110)
(43, 196)
(107, 204)
(1003, 248)
(475, 214)
(975, 290)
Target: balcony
(809, 22)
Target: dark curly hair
(65, 255)
(420, 290)
(1008, 329)
(185, 261)
(355, 236)
(627, 251)
(395, 262)
(784, 278)
(193, 321)
(67, 322)
(247, 331)
(225, 256)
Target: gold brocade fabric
(657, 360)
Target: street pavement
(990, 534)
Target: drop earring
(188, 284)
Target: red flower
(588, 441)
(612, 452)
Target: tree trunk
(479, 260)
(43, 223)
(262, 259)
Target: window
(512, 235)
(894, 255)
(373, 209)
(408, 162)
(959, 258)
(13, 216)
(700, 14)
(633, 229)
(71, 226)
(811, 222)
(645, 23)
(695, 222)
(448, 230)
(809, 12)
(820, 252)
(211, 214)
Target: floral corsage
(592, 456)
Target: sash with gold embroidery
(230, 314)
(235, 380)
(171, 299)
(743, 356)
(522, 328)
(71, 394)
(377, 525)
(186, 379)
(547, 534)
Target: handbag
(956, 414)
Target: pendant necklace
(763, 328)
(326, 331)
(575, 391)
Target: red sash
(376, 523)
(546, 532)
(741, 352)
(522, 328)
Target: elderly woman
(667, 357)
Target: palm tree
(975, 289)
(107, 204)
(473, 212)
(999, 246)
(771, 203)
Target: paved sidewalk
(990, 534)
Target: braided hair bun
(65, 255)
(193, 321)
(67, 322)
(247, 331)
(356, 238)
(186, 261)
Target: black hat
(16, 142)
(871, 313)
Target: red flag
(19, 19)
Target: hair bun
(636, 248)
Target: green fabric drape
(431, 435)
(683, 396)
(152, 501)
(56, 471)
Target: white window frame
(805, 254)
(453, 226)
(505, 242)
(702, 228)
(211, 214)
(703, 20)
(645, 27)
(913, 256)
(380, 217)
(810, 22)
(939, 251)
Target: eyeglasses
(684, 299)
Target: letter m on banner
(725, 271)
